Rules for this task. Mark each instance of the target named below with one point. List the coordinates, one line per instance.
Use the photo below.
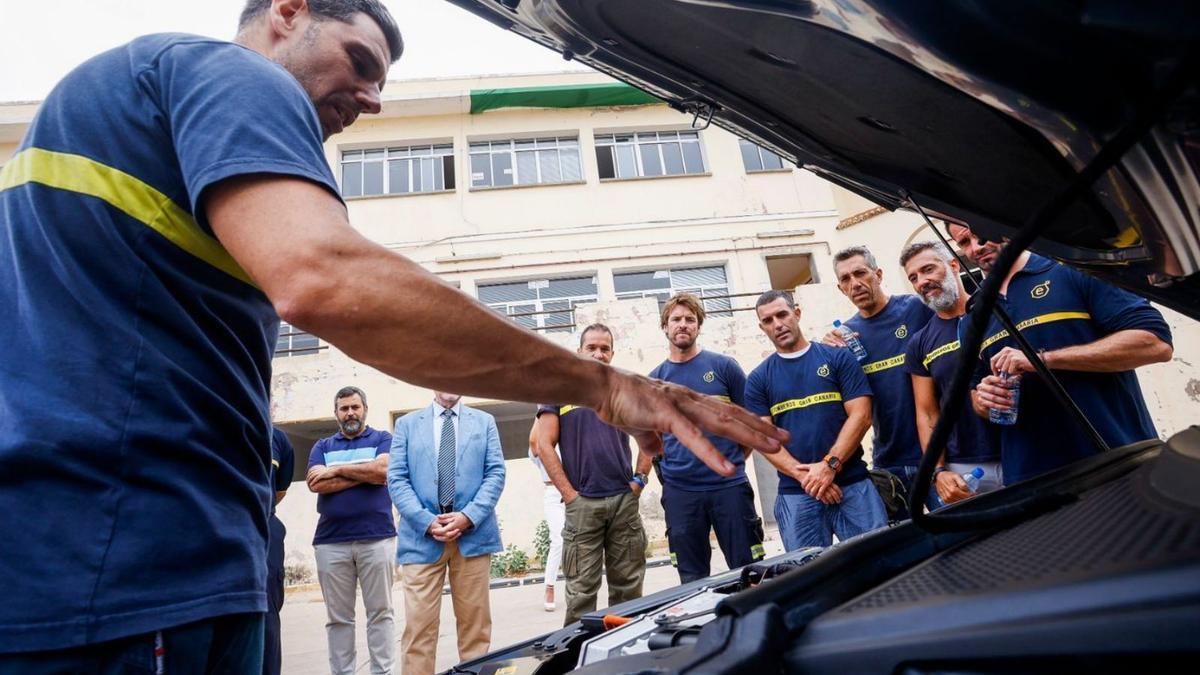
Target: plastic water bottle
(1007, 417)
(971, 478)
(852, 341)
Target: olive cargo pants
(602, 532)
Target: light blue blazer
(412, 483)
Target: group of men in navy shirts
(1091, 335)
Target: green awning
(560, 96)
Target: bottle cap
(837, 323)
(977, 472)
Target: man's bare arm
(858, 420)
(925, 406)
(546, 437)
(373, 472)
(1113, 353)
(294, 240)
(321, 481)
(949, 485)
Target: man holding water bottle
(931, 362)
(884, 324)
(1090, 334)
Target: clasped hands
(817, 481)
(446, 527)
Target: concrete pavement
(517, 615)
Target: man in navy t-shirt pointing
(697, 499)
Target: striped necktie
(446, 462)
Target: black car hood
(978, 111)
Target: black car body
(1070, 126)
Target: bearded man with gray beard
(934, 275)
(355, 541)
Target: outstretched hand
(640, 405)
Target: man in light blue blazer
(445, 475)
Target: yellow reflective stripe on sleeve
(940, 351)
(757, 552)
(566, 409)
(723, 398)
(1035, 321)
(126, 193)
(826, 397)
(897, 360)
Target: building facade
(564, 199)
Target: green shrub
(510, 562)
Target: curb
(531, 580)
(503, 582)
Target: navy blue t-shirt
(933, 353)
(283, 465)
(885, 337)
(362, 512)
(134, 432)
(716, 375)
(595, 456)
(1055, 306)
(806, 395)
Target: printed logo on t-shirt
(710, 376)
(823, 371)
(902, 332)
(1041, 290)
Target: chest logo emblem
(902, 332)
(1040, 291)
(823, 371)
(710, 376)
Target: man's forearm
(850, 437)
(786, 464)
(644, 463)
(372, 473)
(412, 335)
(1118, 352)
(330, 485)
(554, 468)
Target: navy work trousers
(692, 515)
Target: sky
(42, 40)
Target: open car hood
(980, 112)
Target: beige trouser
(423, 608)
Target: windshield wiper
(976, 321)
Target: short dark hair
(347, 392)
(595, 326)
(773, 295)
(682, 300)
(340, 10)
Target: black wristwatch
(833, 462)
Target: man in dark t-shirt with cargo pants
(603, 527)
